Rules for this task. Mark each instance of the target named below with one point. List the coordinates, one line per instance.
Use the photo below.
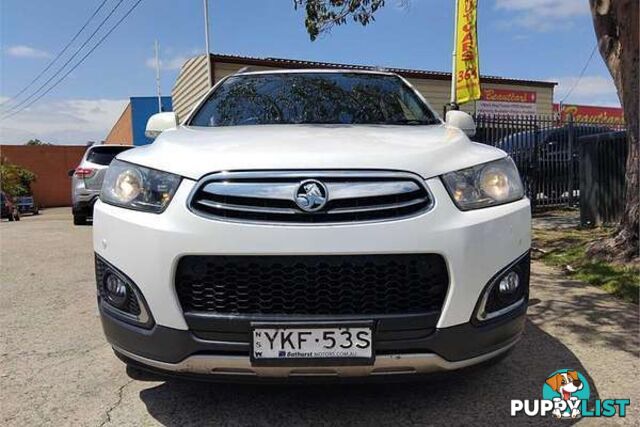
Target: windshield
(313, 98)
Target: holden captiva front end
(311, 223)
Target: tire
(11, 217)
(136, 373)
(17, 216)
(79, 220)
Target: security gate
(546, 150)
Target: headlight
(136, 187)
(489, 184)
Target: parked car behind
(27, 204)
(87, 179)
(551, 142)
(8, 208)
(548, 152)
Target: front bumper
(176, 352)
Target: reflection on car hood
(426, 150)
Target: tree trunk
(618, 33)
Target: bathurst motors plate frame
(315, 362)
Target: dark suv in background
(8, 209)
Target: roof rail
(246, 69)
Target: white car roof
(315, 71)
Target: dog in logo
(565, 384)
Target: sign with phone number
(506, 102)
(467, 72)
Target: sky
(528, 39)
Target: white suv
(305, 223)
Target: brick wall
(51, 164)
(122, 131)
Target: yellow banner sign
(467, 72)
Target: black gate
(546, 150)
(603, 159)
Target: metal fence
(546, 150)
(603, 160)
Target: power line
(58, 55)
(581, 74)
(60, 69)
(117, 24)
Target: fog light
(507, 291)
(115, 290)
(509, 283)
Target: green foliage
(567, 248)
(322, 15)
(15, 180)
(36, 142)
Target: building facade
(50, 163)
(129, 128)
(501, 94)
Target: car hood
(193, 152)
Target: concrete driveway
(56, 368)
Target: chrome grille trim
(253, 190)
(348, 191)
(239, 208)
(283, 191)
(378, 207)
(353, 196)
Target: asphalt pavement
(57, 369)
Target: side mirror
(71, 172)
(462, 121)
(160, 122)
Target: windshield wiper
(408, 122)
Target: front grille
(348, 196)
(312, 285)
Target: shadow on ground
(591, 318)
(476, 396)
(556, 220)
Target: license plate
(302, 344)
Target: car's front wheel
(79, 220)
